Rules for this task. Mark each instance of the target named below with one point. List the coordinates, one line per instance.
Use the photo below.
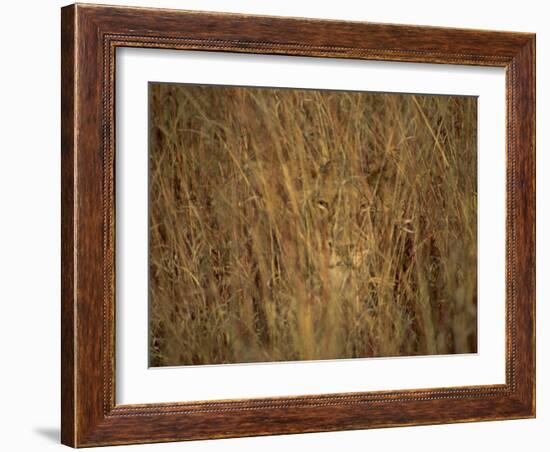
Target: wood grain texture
(90, 36)
(67, 224)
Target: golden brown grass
(303, 224)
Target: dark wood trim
(90, 36)
(68, 146)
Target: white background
(135, 383)
(29, 230)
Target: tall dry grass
(302, 224)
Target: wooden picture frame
(90, 35)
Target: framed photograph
(280, 225)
